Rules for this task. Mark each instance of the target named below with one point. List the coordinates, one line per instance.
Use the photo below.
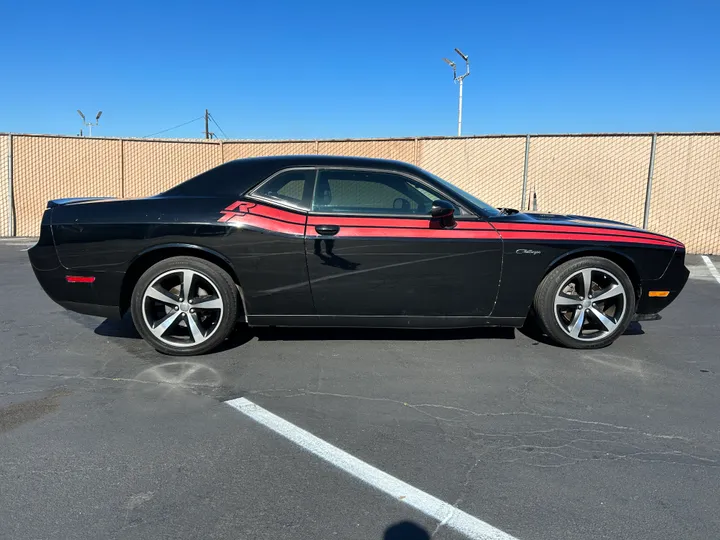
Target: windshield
(485, 207)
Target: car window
(288, 187)
(371, 192)
(488, 209)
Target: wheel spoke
(188, 276)
(207, 302)
(611, 292)
(165, 323)
(608, 323)
(563, 300)
(161, 295)
(587, 281)
(194, 325)
(577, 323)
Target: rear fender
(153, 254)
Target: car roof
(327, 160)
(240, 175)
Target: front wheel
(184, 306)
(585, 303)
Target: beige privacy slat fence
(667, 182)
(6, 216)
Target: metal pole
(90, 128)
(648, 192)
(525, 171)
(460, 110)
(207, 128)
(122, 169)
(11, 198)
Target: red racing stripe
(419, 223)
(522, 235)
(530, 227)
(276, 213)
(372, 232)
(378, 232)
(287, 222)
(268, 224)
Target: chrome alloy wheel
(590, 304)
(182, 307)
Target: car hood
(570, 219)
(536, 221)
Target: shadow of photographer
(406, 530)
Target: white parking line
(711, 267)
(402, 492)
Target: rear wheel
(585, 303)
(184, 306)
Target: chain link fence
(489, 167)
(668, 183)
(590, 176)
(685, 195)
(6, 217)
(150, 167)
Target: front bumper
(673, 280)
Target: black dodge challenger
(340, 241)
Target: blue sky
(359, 69)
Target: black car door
(268, 248)
(374, 251)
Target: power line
(218, 126)
(175, 127)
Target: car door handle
(327, 230)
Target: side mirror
(443, 211)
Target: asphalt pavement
(102, 437)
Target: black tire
(550, 319)
(205, 274)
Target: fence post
(525, 171)
(416, 160)
(122, 168)
(11, 191)
(648, 192)
(317, 146)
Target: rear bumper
(673, 280)
(97, 298)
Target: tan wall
(490, 168)
(46, 168)
(685, 201)
(596, 175)
(4, 186)
(591, 176)
(244, 150)
(151, 167)
(402, 150)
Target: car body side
(485, 271)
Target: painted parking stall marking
(713, 271)
(445, 513)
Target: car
(328, 241)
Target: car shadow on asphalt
(124, 328)
(532, 331)
(380, 334)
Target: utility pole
(460, 81)
(208, 134)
